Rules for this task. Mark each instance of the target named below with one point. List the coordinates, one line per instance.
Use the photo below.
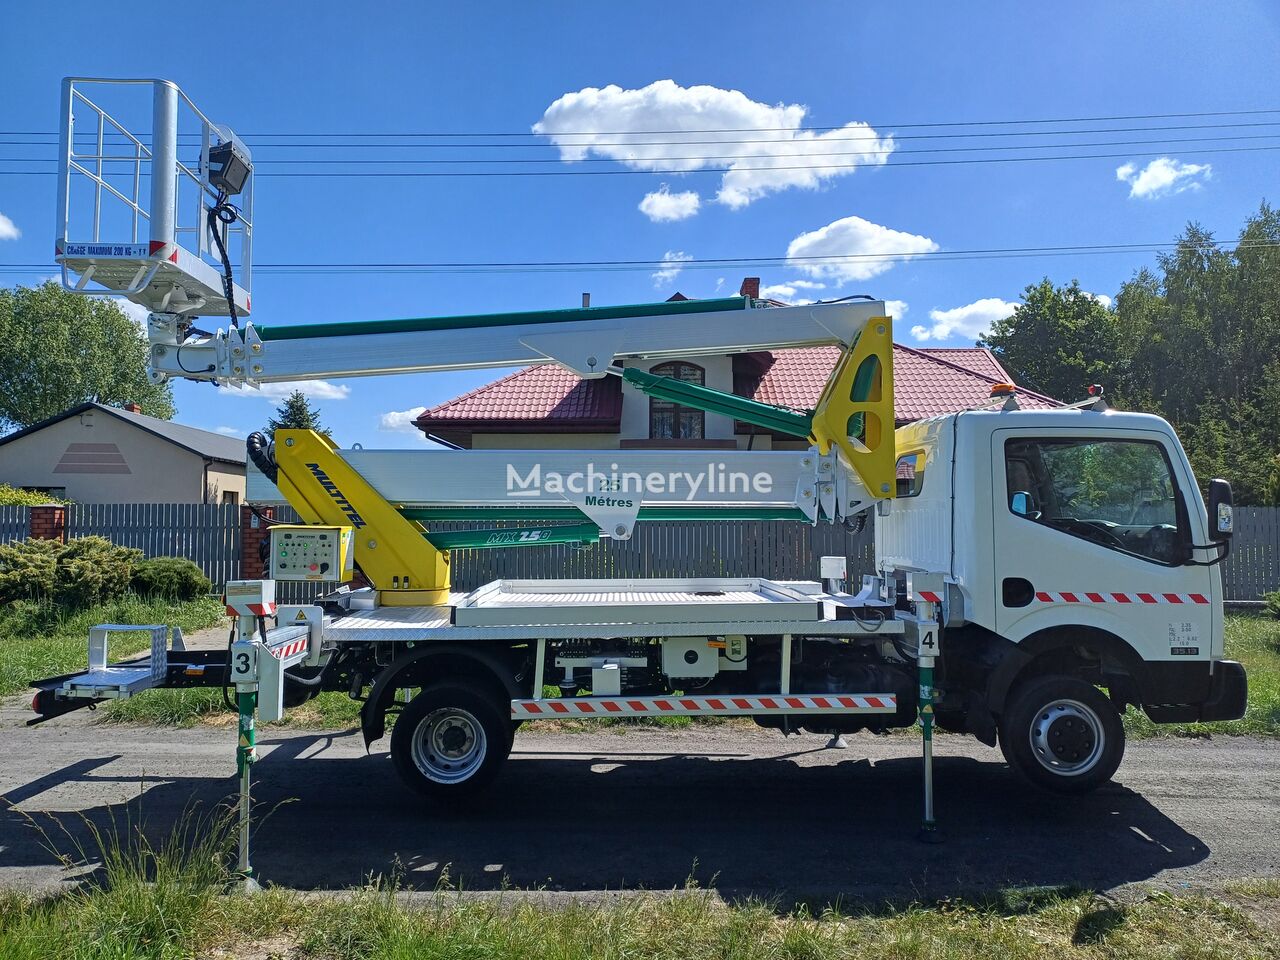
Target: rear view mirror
(1024, 505)
(1221, 510)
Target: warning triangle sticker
(301, 617)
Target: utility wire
(884, 164)
(904, 126)
(799, 155)
(711, 263)
(544, 141)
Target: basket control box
(302, 552)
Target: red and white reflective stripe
(930, 596)
(256, 609)
(726, 705)
(286, 650)
(1090, 597)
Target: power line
(724, 157)
(712, 263)
(903, 126)
(886, 164)
(596, 144)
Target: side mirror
(1221, 510)
(1024, 505)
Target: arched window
(671, 421)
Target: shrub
(174, 578)
(15, 497)
(91, 570)
(27, 569)
(1272, 600)
(83, 571)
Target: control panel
(301, 552)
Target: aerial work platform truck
(1038, 571)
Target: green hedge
(170, 578)
(89, 570)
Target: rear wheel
(451, 740)
(1062, 734)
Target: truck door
(1095, 530)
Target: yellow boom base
(392, 552)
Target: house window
(230, 498)
(671, 421)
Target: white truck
(1038, 571)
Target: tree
(1058, 341)
(296, 413)
(58, 349)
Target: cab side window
(1119, 494)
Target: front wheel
(451, 740)
(1062, 734)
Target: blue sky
(330, 68)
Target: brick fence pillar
(253, 533)
(48, 522)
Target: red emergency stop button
(314, 567)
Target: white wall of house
(545, 441)
(98, 458)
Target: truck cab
(1081, 577)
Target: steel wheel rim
(1067, 737)
(449, 745)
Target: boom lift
(998, 531)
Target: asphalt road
(748, 813)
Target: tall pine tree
(296, 413)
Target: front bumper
(1221, 695)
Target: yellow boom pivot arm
(392, 552)
(855, 411)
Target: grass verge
(171, 902)
(40, 640)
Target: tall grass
(170, 902)
(39, 639)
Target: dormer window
(671, 421)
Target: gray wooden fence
(206, 533)
(209, 535)
(1253, 566)
(14, 522)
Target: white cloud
(1102, 298)
(969, 322)
(897, 308)
(229, 431)
(872, 250)
(668, 274)
(134, 311)
(760, 139)
(663, 206)
(8, 229)
(401, 421)
(789, 291)
(312, 389)
(1163, 177)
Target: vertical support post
(65, 149)
(164, 162)
(246, 754)
(928, 825)
(539, 668)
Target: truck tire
(451, 740)
(1062, 734)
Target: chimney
(586, 300)
(132, 407)
(750, 288)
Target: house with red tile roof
(546, 406)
